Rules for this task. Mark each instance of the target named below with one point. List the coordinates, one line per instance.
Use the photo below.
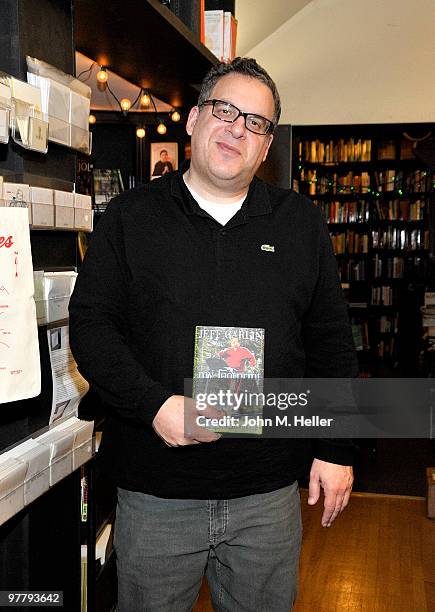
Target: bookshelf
(145, 43)
(375, 194)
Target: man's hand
(336, 481)
(176, 423)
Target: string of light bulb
(144, 99)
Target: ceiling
(257, 19)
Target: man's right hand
(176, 423)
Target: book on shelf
(220, 33)
(228, 364)
(386, 150)
(317, 151)
(214, 32)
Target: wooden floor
(379, 556)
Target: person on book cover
(237, 356)
(164, 165)
(234, 356)
(228, 250)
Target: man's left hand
(336, 481)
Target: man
(237, 356)
(191, 503)
(164, 165)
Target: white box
(83, 219)
(61, 445)
(16, 191)
(37, 460)
(41, 195)
(82, 447)
(82, 201)
(42, 215)
(64, 217)
(12, 474)
(63, 198)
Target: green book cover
(228, 375)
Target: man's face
(235, 342)
(227, 154)
(164, 156)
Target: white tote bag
(20, 375)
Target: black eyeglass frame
(213, 102)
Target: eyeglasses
(230, 113)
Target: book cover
(228, 374)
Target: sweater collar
(257, 201)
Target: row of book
(349, 242)
(400, 210)
(388, 324)
(390, 267)
(333, 152)
(212, 22)
(361, 332)
(396, 238)
(380, 268)
(359, 211)
(383, 296)
(345, 212)
(352, 150)
(417, 181)
(352, 270)
(313, 184)
(220, 34)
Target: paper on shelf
(69, 386)
(60, 444)
(20, 375)
(12, 474)
(37, 459)
(80, 107)
(27, 93)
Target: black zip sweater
(157, 266)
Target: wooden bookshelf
(377, 206)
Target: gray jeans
(248, 548)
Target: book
(228, 375)
(214, 32)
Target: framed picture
(164, 158)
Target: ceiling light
(175, 116)
(140, 132)
(102, 75)
(161, 128)
(145, 99)
(125, 104)
(92, 119)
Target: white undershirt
(219, 211)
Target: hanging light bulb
(102, 75)
(125, 104)
(161, 128)
(92, 119)
(175, 116)
(140, 132)
(145, 99)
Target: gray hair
(245, 66)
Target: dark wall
(41, 29)
(276, 168)
(114, 144)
